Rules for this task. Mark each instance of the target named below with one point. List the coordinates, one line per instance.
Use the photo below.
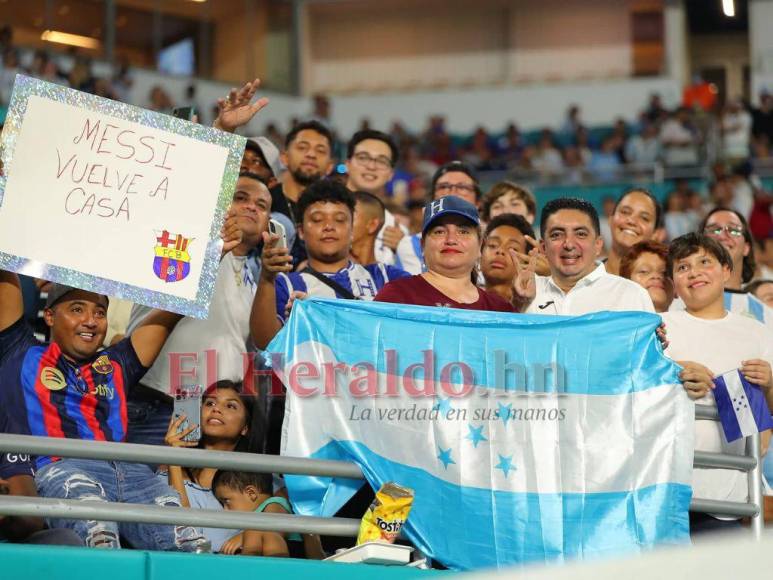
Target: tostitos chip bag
(386, 515)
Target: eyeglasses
(381, 161)
(451, 186)
(716, 230)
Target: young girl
(229, 422)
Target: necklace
(237, 266)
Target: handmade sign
(113, 198)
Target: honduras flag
(742, 407)
(525, 438)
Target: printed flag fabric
(525, 438)
(742, 407)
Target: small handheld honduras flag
(742, 407)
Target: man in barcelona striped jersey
(325, 211)
(72, 389)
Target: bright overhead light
(728, 7)
(70, 39)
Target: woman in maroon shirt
(451, 242)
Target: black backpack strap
(330, 283)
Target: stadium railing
(257, 463)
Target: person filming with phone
(223, 419)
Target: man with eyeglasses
(370, 160)
(453, 178)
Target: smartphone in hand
(276, 228)
(187, 402)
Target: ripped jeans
(111, 481)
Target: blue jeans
(110, 481)
(148, 419)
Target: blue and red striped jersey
(44, 393)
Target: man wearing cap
(453, 178)
(72, 389)
(450, 241)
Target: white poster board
(112, 198)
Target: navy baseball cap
(448, 205)
(59, 291)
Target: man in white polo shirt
(577, 283)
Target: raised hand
(525, 281)
(236, 109)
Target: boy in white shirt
(715, 341)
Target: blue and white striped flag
(573, 437)
(742, 407)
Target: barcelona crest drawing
(172, 262)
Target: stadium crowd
(379, 229)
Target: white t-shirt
(597, 292)
(720, 345)
(226, 330)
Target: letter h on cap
(436, 207)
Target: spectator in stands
(578, 284)
(679, 139)
(645, 264)
(371, 158)
(700, 95)
(122, 80)
(762, 118)
(655, 112)
(505, 232)
(261, 157)
(605, 163)
(229, 422)
(762, 290)
(511, 146)
(508, 197)
(308, 158)
(368, 220)
(159, 100)
(764, 256)
(572, 121)
(480, 153)
(42, 383)
(679, 218)
(721, 193)
(547, 158)
(326, 212)
(225, 330)
(451, 246)
(635, 218)
(644, 148)
(251, 492)
(730, 229)
(717, 341)
(735, 127)
(453, 178)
